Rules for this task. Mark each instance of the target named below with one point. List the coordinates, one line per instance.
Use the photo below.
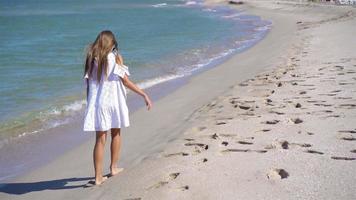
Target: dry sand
(275, 122)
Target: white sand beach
(277, 121)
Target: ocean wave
(38, 121)
(190, 3)
(157, 80)
(65, 109)
(264, 28)
(209, 10)
(234, 15)
(159, 5)
(75, 106)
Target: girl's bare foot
(100, 181)
(115, 171)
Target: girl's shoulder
(111, 56)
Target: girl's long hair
(99, 50)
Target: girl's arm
(132, 86)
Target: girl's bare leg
(115, 151)
(98, 156)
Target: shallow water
(42, 50)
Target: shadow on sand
(59, 184)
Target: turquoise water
(42, 50)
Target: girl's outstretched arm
(132, 86)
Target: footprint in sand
(184, 188)
(243, 150)
(201, 145)
(224, 143)
(314, 152)
(243, 84)
(338, 67)
(176, 154)
(271, 122)
(243, 107)
(276, 174)
(350, 72)
(307, 85)
(284, 144)
(342, 97)
(335, 91)
(228, 135)
(298, 105)
(302, 92)
(296, 120)
(171, 176)
(214, 136)
(348, 138)
(260, 151)
(198, 147)
(345, 83)
(304, 145)
(244, 142)
(225, 118)
(266, 130)
(276, 112)
(342, 158)
(310, 133)
(158, 185)
(326, 111)
(347, 106)
(235, 150)
(323, 104)
(334, 116)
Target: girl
(106, 77)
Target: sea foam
(159, 5)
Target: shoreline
(46, 116)
(32, 142)
(133, 160)
(153, 132)
(47, 139)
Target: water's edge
(42, 148)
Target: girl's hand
(148, 102)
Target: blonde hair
(99, 50)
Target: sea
(43, 42)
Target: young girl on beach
(106, 77)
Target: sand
(274, 122)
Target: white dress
(106, 104)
